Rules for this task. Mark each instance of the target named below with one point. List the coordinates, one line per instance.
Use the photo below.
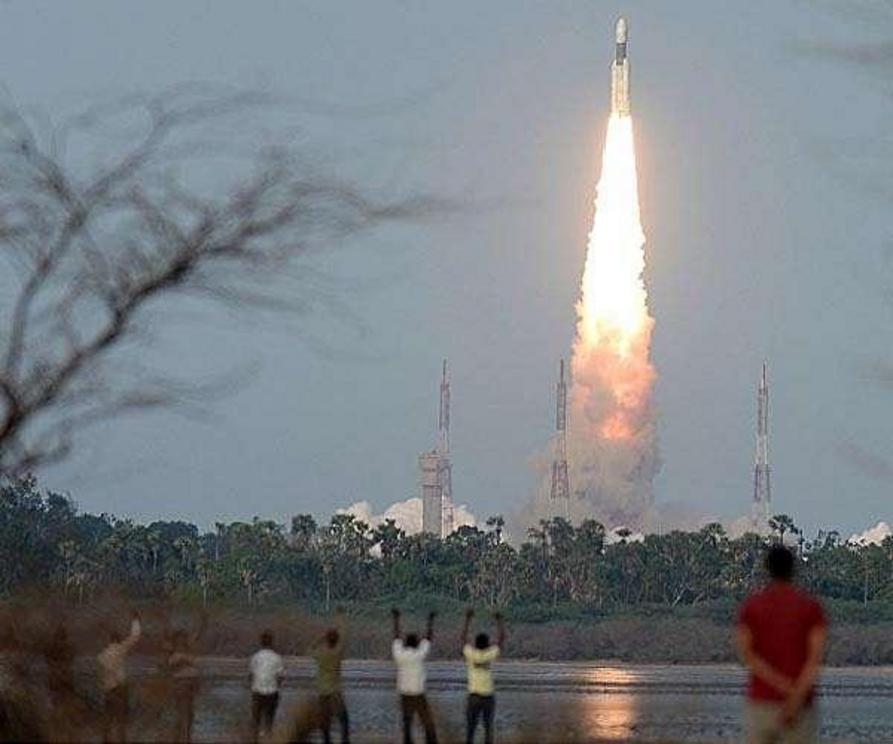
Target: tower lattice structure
(443, 449)
(762, 491)
(436, 470)
(560, 493)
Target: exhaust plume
(612, 442)
(612, 426)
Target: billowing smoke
(873, 535)
(407, 515)
(612, 438)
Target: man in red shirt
(781, 639)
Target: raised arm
(759, 666)
(500, 629)
(429, 632)
(469, 614)
(804, 683)
(395, 617)
(135, 632)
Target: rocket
(620, 71)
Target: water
(538, 701)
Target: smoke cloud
(407, 515)
(873, 535)
(612, 432)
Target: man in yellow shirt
(478, 658)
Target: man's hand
(791, 708)
(430, 632)
(759, 666)
(500, 628)
(802, 687)
(469, 614)
(395, 616)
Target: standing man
(267, 672)
(478, 659)
(329, 653)
(113, 680)
(781, 640)
(409, 655)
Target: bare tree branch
(95, 249)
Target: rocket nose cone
(621, 30)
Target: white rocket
(620, 71)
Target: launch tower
(560, 493)
(436, 471)
(762, 494)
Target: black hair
(481, 641)
(412, 640)
(266, 639)
(780, 563)
(332, 637)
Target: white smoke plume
(407, 515)
(612, 433)
(873, 535)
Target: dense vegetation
(559, 571)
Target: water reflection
(610, 717)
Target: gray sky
(763, 196)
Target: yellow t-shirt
(480, 678)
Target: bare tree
(93, 248)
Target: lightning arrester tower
(436, 472)
(443, 448)
(560, 493)
(762, 494)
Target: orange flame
(612, 372)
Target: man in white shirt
(409, 655)
(112, 662)
(478, 659)
(267, 672)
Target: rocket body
(620, 71)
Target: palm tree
(496, 523)
(782, 523)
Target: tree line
(47, 543)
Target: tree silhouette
(171, 208)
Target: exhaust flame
(612, 434)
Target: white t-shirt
(410, 666)
(266, 670)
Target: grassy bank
(649, 635)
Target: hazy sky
(762, 169)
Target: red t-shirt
(780, 619)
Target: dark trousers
(332, 706)
(263, 711)
(185, 691)
(477, 706)
(409, 706)
(115, 710)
